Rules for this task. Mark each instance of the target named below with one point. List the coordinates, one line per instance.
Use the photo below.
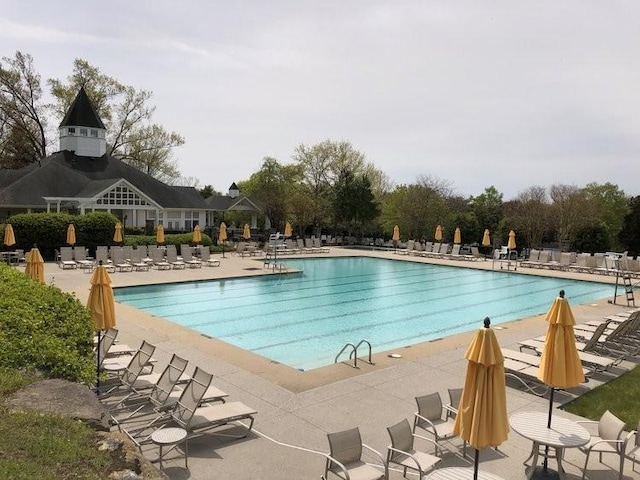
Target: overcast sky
(505, 93)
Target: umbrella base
(540, 473)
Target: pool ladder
(353, 352)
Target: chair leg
(584, 470)
(621, 465)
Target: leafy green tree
(207, 191)
(23, 120)
(354, 202)
(629, 235)
(529, 215)
(487, 208)
(572, 210)
(613, 206)
(132, 135)
(591, 238)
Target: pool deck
(300, 408)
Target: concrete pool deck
(300, 408)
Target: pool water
(303, 320)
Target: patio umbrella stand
(560, 365)
(482, 413)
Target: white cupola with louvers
(81, 130)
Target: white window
(94, 133)
(71, 131)
(84, 132)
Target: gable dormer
(81, 130)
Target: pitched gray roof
(82, 113)
(64, 174)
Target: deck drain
(252, 268)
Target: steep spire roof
(82, 113)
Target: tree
(22, 114)
(131, 134)
(354, 204)
(572, 210)
(529, 215)
(629, 235)
(613, 206)
(488, 208)
(208, 191)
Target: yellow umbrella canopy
(222, 235)
(197, 234)
(560, 365)
(35, 265)
(117, 236)
(438, 235)
(457, 237)
(486, 239)
(246, 233)
(160, 233)
(482, 413)
(512, 240)
(71, 234)
(9, 237)
(287, 230)
(101, 306)
(396, 233)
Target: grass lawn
(621, 396)
(45, 446)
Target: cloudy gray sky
(505, 93)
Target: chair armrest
(331, 460)
(408, 455)
(424, 419)
(380, 457)
(612, 442)
(450, 410)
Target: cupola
(81, 130)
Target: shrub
(169, 239)
(45, 329)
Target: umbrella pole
(546, 448)
(475, 465)
(98, 365)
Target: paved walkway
(300, 408)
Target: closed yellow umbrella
(117, 236)
(486, 239)
(287, 230)
(9, 237)
(71, 234)
(438, 235)
(482, 413)
(396, 234)
(457, 237)
(222, 236)
(101, 306)
(197, 234)
(246, 233)
(35, 265)
(560, 365)
(512, 240)
(160, 234)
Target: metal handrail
(358, 346)
(353, 347)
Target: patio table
(564, 433)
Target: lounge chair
(402, 452)
(533, 360)
(205, 257)
(189, 259)
(433, 417)
(634, 453)
(173, 260)
(345, 457)
(80, 257)
(136, 261)
(117, 257)
(533, 260)
(610, 438)
(66, 258)
(317, 244)
(157, 255)
(475, 253)
(407, 249)
(125, 374)
(108, 347)
(435, 250)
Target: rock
(125, 475)
(64, 398)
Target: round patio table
(564, 433)
(170, 436)
(459, 473)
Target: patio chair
(455, 394)
(188, 258)
(157, 255)
(172, 258)
(205, 257)
(136, 261)
(80, 257)
(117, 256)
(345, 457)
(634, 454)
(402, 452)
(609, 439)
(433, 417)
(66, 258)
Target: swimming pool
(303, 320)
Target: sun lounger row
(439, 250)
(151, 402)
(598, 263)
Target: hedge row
(43, 328)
